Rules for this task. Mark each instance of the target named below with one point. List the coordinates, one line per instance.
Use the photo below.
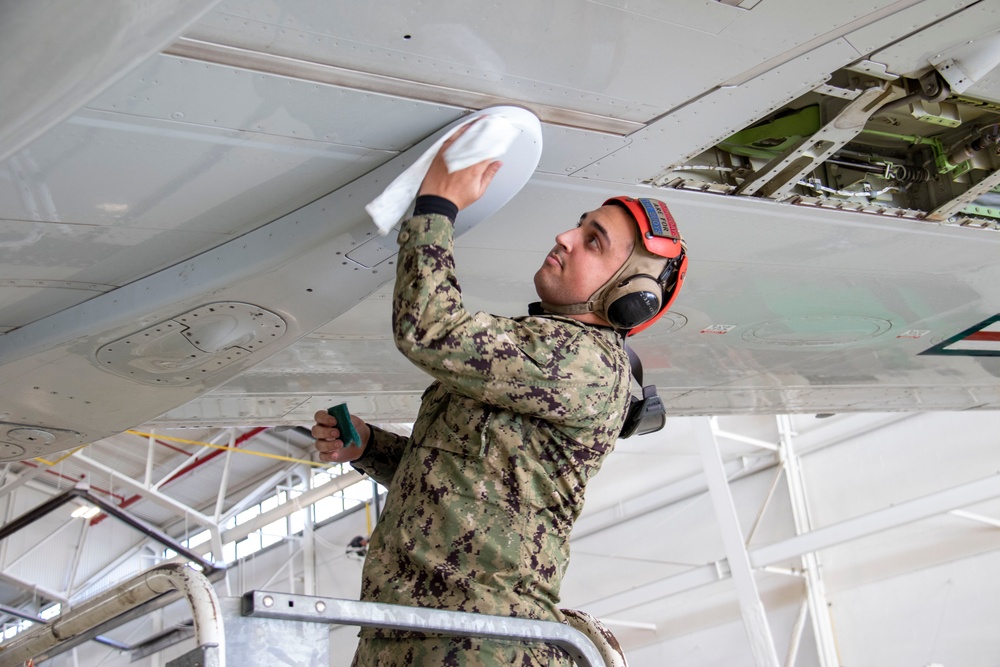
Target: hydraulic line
(701, 167)
(813, 184)
(965, 149)
(857, 166)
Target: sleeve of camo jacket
(554, 368)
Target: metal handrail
(195, 587)
(82, 491)
(263, 604)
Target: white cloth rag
(486, 140)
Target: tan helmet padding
(637, 274)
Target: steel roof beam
(137, 487)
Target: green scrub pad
(348, 433)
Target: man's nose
(566, 239)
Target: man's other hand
(328, 443)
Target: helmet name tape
(661, 223)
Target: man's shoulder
(564, 338)
(548, 320)
(571, 327)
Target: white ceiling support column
(290, 564)
(215, 539)
(220, 499)
(767, 503)
(934, 504)
(150, 450)
(183, 464)
(751, 608)
(34, 588)
(149, 494)
(250, 498)
(77, 554)
(657, 499)
(836, 431)
(188, 461)
(657, 590)
(8, 512)
(110, 567)
(978, 518)
(376, 505)
(787, 550)
(783, 571)
(747, 440)
(819, 607)
(796, 639)
(156, 620)
(293, 550)
(42, 542)
(224, 483)
(282, 445)
(22, 478)
(304, 500)
(308, 559)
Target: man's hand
(328, 443)
(463, 187)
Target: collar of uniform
(535, 310)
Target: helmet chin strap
(572, 309)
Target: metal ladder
(325, 611)
(266, 628)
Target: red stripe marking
(984, 335)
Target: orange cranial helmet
(650, 279)
(645, 285)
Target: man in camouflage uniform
(522, 412)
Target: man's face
(586, 257)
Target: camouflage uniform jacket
(483, 494)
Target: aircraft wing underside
(184, 241)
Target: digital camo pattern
(483, 494)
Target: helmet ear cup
(633, 301)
